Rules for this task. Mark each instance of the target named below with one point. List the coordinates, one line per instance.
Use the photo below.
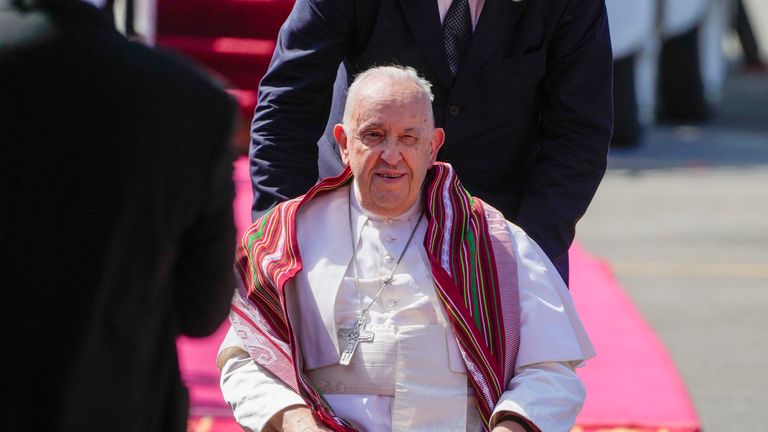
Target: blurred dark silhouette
(627, 130)
(680, 87)
(749, 45)
(116, 221)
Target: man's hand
(508, 426)
(297, 418)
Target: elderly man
(389, 299)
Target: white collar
(413, 211)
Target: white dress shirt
(544, 390)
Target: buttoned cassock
(413, 347)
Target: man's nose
(390, 152)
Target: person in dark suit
(527, 113)
(116, 229)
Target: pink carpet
(632, 385)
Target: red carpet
(632, 385)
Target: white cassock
(413, 353)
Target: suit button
(453, 110)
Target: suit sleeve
(203, 273)
(295, 98)
(576, 122)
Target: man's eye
(409, 140)
(372, 137)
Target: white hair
(388, 73)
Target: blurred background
(681, 216)
(681, 213)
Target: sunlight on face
(389, 144)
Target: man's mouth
(389, 176)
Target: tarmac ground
(683, 220)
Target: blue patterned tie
(457, 33)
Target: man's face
(389, 145)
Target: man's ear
(438, 138)
(341, 139)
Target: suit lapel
(496, 20)
(424, 21)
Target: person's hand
(297, 419)
(508, 426)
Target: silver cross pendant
(353, 336)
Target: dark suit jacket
(527, 118)
(116, 231)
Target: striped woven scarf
(461, 255)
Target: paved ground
(684, 221)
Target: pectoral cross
(353, 336)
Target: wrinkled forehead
(391, 101)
